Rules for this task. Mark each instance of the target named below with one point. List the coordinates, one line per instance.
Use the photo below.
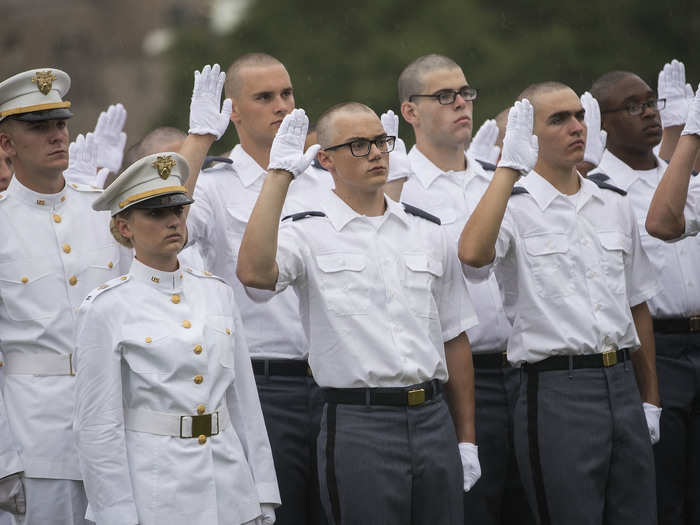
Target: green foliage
(336, 52)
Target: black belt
(403, 396)
(490, 360)
(281, 367)
(564, 362)
(677, 325)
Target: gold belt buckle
(201, 425)
(609, 358)
(416, 397)
(694, 323)
(70, 364)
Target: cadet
(54, 250)
(568, 255)
(161, 355)
(630, 115)
(385, 308)
(437, 101)
(261, 91)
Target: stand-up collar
(164, 281)
(50, 201)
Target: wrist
(282, 175)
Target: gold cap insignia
(164, 165)
(44, 81)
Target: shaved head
(325, 128)
(411, 78)
(233, 78)
(534, 91)
(603, 87)
(160, 139)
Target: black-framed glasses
(637, 108)
(448, 96)
(362, 147)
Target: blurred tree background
(355, 51)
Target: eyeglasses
(448, 96)
(637, 108)
(362, 147)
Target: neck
(634, 158)
(47, 182)
(447, 158)
(370, 203)
(564, 179)
(259, 153)
(162, 262)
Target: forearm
(460, 387)
(644, 359)
(195, 149)
(669, 140)
(257, 266)
(477, 243)
(665, 219)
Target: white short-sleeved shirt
(675, 264)
(54, 250)
(378, 296)
(169, 343)
(570, 270)
(452, 196)
(224, 199)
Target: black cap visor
(47, 114)
(164, 201)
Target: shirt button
(110, 264)
(228, 331)
(200, 409)
(175, 298)
(148, 339)
(198, 379)
(73, 280)
(25, 280)
(186, 324)
(56, 218)
(66, 248)
(198, 349)
(63, 199)
(202, 439)
(122, 278)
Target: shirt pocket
(32, 289)
(548, 257)
(344, 282)
(220, 339)
(422, 270)
(149, 349)
(616, 245)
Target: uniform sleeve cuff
(124, 514)
(645, 295)
(450, 333)
(268, 493)
(477, 275)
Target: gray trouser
(292, 408)
(50, 502)
(676, 454)
(382, 465)
(583, 447)
(498, 497)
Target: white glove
(110, 139)
(653, 415)
(692, 124)
(677, 93)
(268, 515)
(469, 453)
(82, 161)
(287, 151)
(595, 136)
(12, 497)
(483, 146)
(519, 144)
(399, 165)
(205, 116)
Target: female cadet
(167, 419)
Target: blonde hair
(115, 231)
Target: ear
(409, 112)
(235, 114)
(7, 144)
(123, 228)
(325, 160)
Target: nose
(374, 151)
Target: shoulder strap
(412, 210)
(303, 215)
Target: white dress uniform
(692, 208)
(154, 349)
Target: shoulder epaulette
(598, 177)
(203, 273)
(486, 165)
(210, 159)
(607, 186)
(519, 190)
(303, 215)
(112, 283)
(84, 187)
(412, 210)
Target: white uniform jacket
(452, 196)
(153, 343)
(378, 296)
(54, 249)
(570, 267)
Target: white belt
(39, 364)
(187, 426)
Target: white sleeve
(98, 422)
(200, 216)
(10, 461)
(504, 240)
(640, 275)
(246, 417)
